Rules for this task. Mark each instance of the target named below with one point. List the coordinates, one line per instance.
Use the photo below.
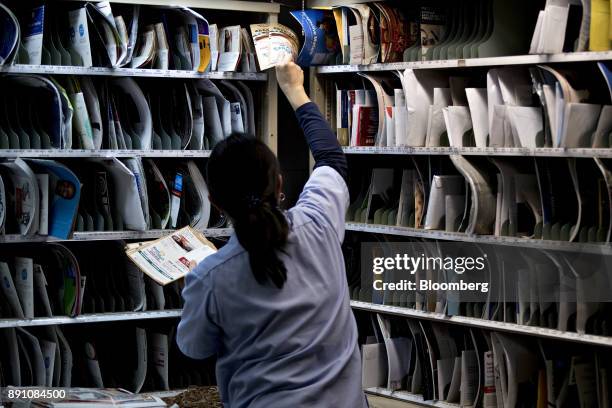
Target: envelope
(528, 124)
(459, 126)
(441, 187)
(477, 101)
(436, 126)
(579, 124)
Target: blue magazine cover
(64, 195)
(321, 43)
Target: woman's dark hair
(242, 176)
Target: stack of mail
(572, 26)
(383, 32)
(547, 198)
(519, 108)
(101, 34)
(122, 113)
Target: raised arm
(319, 136)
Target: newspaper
(167, 259)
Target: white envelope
(501, 131)
(419, 92)
(436, 125)
(24, 284)
(441, 186)
(201, 221)
(127, 196)
(93, 109)
(374, 366)
(494, 98)
(528, 123)
(212, 121)
(197, 110)
(401, 129)
(389, 127)
(244, 106)
(535, 40)
(552, 36)
(477, 101)
(469, 377)
(458, 122)
(134, 164)
(579, 124)
(79, 38)
(49, 350)
(406, 201)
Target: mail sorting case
(108, 112)
(422, 180)
(477, 128)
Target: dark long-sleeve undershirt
(322, 141)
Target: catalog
(274, 44)
(167, 259)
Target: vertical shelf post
(270, 104)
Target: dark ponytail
(242, 177)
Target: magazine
(432, 28)
(274, 44)
(321, 43)
(168, 259)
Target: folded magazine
(168, 259)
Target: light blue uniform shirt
(289, 347)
